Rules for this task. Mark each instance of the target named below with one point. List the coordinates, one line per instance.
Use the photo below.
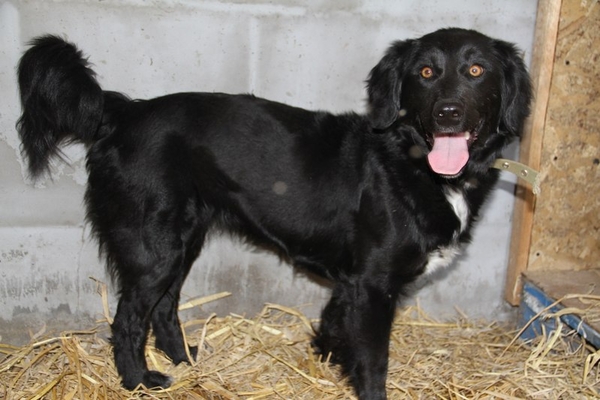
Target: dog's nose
(448, 113)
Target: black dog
(368, 201)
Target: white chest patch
(458, 202)
(444, 255)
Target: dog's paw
(148, 379)
(193, 352)
(323, 348)
(156, 380)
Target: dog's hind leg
(129, 335)
(165, 321)
(161, 253)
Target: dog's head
(467, 95)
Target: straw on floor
(269, 357)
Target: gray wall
(314, 54)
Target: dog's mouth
(449, 152)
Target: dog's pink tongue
(449, 154)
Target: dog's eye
(426, 72)
(476, 70)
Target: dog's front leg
(355, 329)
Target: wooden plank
(546, 32)
(566, 225)
(558, 284)
(537, 305)
(586, 283)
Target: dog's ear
(385, 83)
(516, 89)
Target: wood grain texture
(546, 31)
(566, 223)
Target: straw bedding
(269, 357)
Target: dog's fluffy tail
(61, 100)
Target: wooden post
(546, 32)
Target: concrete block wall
(314, 54)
